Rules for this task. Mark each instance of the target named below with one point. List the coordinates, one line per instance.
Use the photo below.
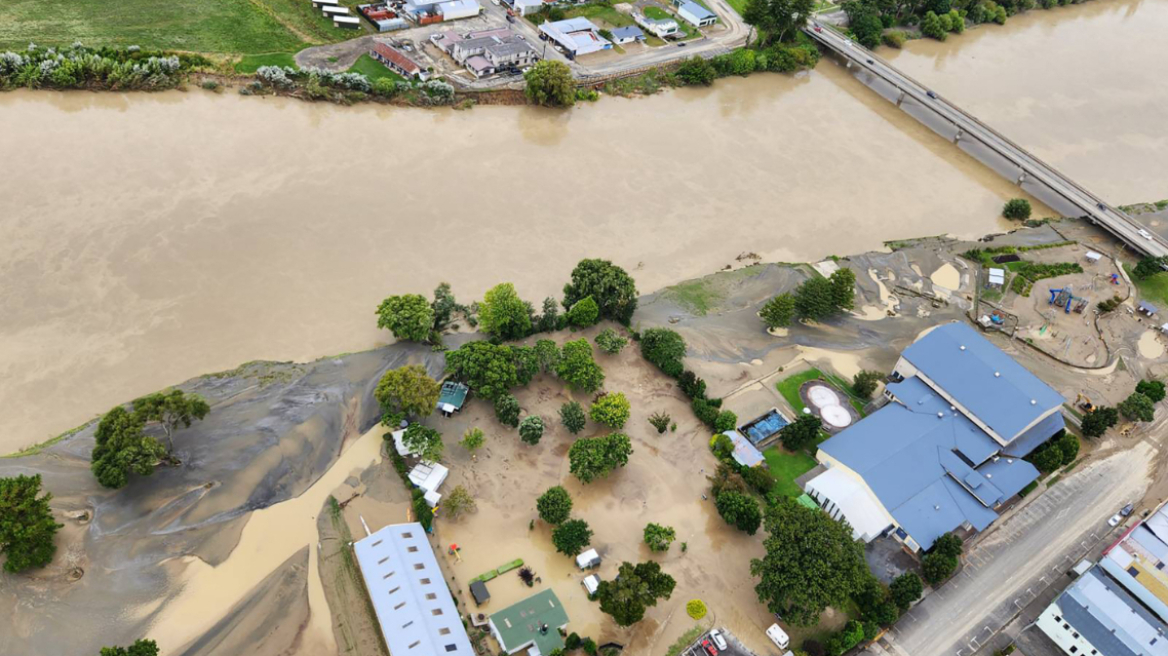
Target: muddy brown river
(145, 239)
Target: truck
(778, 636)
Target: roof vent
(1033, 402)
(953, 408)
(940, 415)
(936, 507)
(995, 458)
(1009, 461)
(989, 475)
(997, 374)
(963, 347)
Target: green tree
(867, 28)
(444, 305)
(815, 299)
(777, 20)
(801, 433)
(937, 567)
(503, 314)
(1148, 267)
(549, 83)
(949, 545)
(931, 26)
(139, 648)
(554, 506)
(27, 527)
(759, 479)
(584, 313)
(906, 589)
(577, 368)
(573, 417)
(726, 479)
(572, 536)
(1016, 208)
(409, 317)
(722, 446)
(610, 342)
(549, 319)
(1097, 421)
(507, 410)
(527, 365)
(473, 439)
(1138, 407)
(664, 348)
(121, 448)
(1047, 457)
(1153, 389)
(660, 421)
(636, 588)
(547, 355)
(739, 510)
(612, 410)
(487, 368)
(696, 71)
(865, 383)
(457, 502)
(531, 429)
(406, 391)
(423, 441)
(594, 457)
(778, 312)
(811, 563)
(659, 537)
(171, 409)
(1069, 446)
(726, 421)
(610, 286)
(843, 289)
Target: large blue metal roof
(988, 383)
(1110, 619)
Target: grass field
(207, 26)
(789, 387)
(600, 13)
(738, 5)
(250, 63)
(1154, 289)
(373, 69)
(786, 467)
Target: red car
(710, 648)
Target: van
(778, 636)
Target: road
(1021, 557)
(1030, 169)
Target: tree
(507, 410)
(1148, 267)
(549, 83)
(931, 27)
(27, 527)
(696, 71)
(549, 319)
(664, 348)
(1153, 389)
(937, 567)
(554, 506)
(801, 433)
(444, 306)
(531, 429)
(1097, 421)
(949, 545)
(726, 479)
(171, 409)
(1047, 457)
(610, 286)
(811, 563)
(739, 510)
(503, 314)
(473, 439)
(778, 312)
(423, 441)
(1017, 208)
(572, 536)
(547, 355)
(695, 608)
(815, 299)
(867, 28)
(865, 383)
(843, 289)
(573, 417)
(458, 501)
(636, 588)
(726, 421)
(121, 448)
(610, 342)
(594, 457)
(906, 589)
(660, 421)
(577, 368)
(1138, 407)
(612, 410)
(759, 479)
(692, 386)
(722, 446)
(487, 368)
(584, 313)
(406, 391)
(777, 20)
(659, 537)
(139, 648)
(409, 317)
(706, 412)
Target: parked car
(1115, 520)
(1127, 510)
(778, 636)
(718, 638)
(681, 45)
(710, 649)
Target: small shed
(478, 590)
(588, 559)
(1164, 329)
(428, 476)
(433, 498)
(997, 277)
(331, 10)
(591, 583)
(1147, 308)
(452, 397)
(1092, 256)
(347, 22)
(745, 453)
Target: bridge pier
(1021, 178)
(900, 98)
(957, 137)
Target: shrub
(1138, 407)
(759, 479)
(473, 439)
(659, 537)
(722, 446)
(937, 567)
(660, 421)
(584, 313)
(1148, 267)
(531, 429)
(725, 421)
(664, 348)
(612, 410)
(507, 410)
(726, 479)
(692, 386)
(554, 506)
(695, 608)
(438, 92)
(1153, 389)
(696, 71)
(705, 411)
(1017, 209)
(573, 417)
(931, 27)
(906, 589)
(422, 510)
(895, 38)
(609, 341)
(739, 510)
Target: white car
(1145, 234)
(718, 638)
(1115, 520)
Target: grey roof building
(1097, 616)
(946, 453)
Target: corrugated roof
(697, 11)
(522, 623)
(395, 56)
(629, 31)
(745, 453)
(1036, 435)
(1004, 401)
(1111, 619)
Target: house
(478, 590)
(745, 453)
(627, 34)
(533, 622)
(946, 452)
(577, 36)
(696, 15)
(527, 7)
(414, 607)
(484, 53)
(658, 27)
(429, 476)
(456, 9)
(1119, 607)
(396, 61)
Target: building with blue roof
(947, 451)
(1097, 615)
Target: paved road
(1030, 168)
(1021, 557)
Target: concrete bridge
(989, 146)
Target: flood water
(150, 238)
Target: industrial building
(577, 36)
(534, 622)
(483, 53)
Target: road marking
(1062, 513)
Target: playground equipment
(1066, 299)
(1115, 278)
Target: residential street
(1022, 556)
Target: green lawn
(373, 69)
(789, 387)
(738, 5)
(600, 13)
(251, 63)
(207, 26)
(1154, 289)
(786, 467)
